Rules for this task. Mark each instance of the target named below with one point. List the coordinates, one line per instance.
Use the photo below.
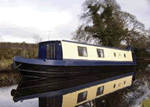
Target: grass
(9, 77)
(145, 103)
(5, 64)
(7, 52)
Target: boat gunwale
(71, 62)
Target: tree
(148, 1)
(101, 24)
(106, 24)
(135, 29)
(148, 40)
(37, 38)
(148, 32)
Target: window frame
(100, 50)
(115, 54)
(125, 55)
(79, 47)
(80, 99)
(101, 90)
(50, 51)
(114, 86)
(47, 51)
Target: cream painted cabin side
(70, 51)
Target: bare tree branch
(37, 38)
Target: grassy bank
(9, 77)
(5, 64)
(146, 103)
(7, 52)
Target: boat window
(86, 104)
(50, 52)
(82, 51)
(114, 85)
(114, 54)
(100, 53)
(82, 96)
(124, 82)
(125, 55)
(100, 90)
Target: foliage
(104, 23)
(5, 64)
(145, 103)
(37, 38)
(9, 50)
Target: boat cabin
(69, 50)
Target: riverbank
(9, 77)
(7, 52)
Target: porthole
(124, 82)
(82, 97)
(114, 54)
(114, 85)
(125, 55)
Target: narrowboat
(72, 59)
(72, 74)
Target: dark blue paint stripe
(71, 62)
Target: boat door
(42, 51)
(47, 51)
(51, 51)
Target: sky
(21, 20)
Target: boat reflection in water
(70, 74)
(69, 89)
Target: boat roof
(84, 44)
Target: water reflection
(7, 101)
(131, 97)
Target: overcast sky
(20, 20)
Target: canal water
(133, 97)
(7, 101)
